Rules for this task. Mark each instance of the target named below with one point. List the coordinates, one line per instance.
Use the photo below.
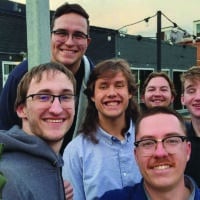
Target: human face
(162, 170)
(49, 121)
(111, 96)
(191, 97)
(69, 52)
(157, 93)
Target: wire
(145, 19)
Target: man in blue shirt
(69, 41)
(100, 157)
(162, 151)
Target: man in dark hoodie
(31, 162)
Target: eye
(147, 143)
(190, 90)
(79, 35)
(66, 97)
(172, 140)
(61, 33)
(43, 97)
(103, 86)
(120, 85)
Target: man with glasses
(31, 161)
(69, 41)
(162, 151)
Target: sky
(115, 14)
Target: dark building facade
(106, 43)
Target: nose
(69, 39)
(111, 91)
(56, 107)
(157, 92)
(160, 150)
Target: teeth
(160, 167)
(112, 103)
(54, 120)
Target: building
(106, 43)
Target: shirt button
(124, 173)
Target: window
(7, 67)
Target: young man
(31, 161)
(191, 99)
(158, 90)
(69, 42)
(100, 157)
(161, 151)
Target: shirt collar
(111, 139)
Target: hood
(16, 140)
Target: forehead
(158, 81)
(70, 21)
(159, 125)
(52, 81)
(110, 76)
(192, 83)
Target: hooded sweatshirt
(32, 169)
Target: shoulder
(20, 69)
(78, 145)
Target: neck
(74, 67)
(179, 192)
(114, 127)
(196, 125)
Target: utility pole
(38, 31)
(158, 36)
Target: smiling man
(100, 158)
(191, 99)
(158, 90)
(31, 161)
(162, 151)
(69, 41)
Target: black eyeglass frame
(52, 97)
(76, 34)
(183, 138)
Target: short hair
(67, 8)
(36, 72)
(192, 74)
(159, 74)
(160, 110)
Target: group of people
(72, 130)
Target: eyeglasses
(171, 144)
(49, 98)
(63, 34)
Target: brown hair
(159, 74)
(108, 67)
(192, 74)
(36, 72)
(67, 8)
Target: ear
(135, 153)
(21, 111)
(88, 41)
(142, 98)
(172, 99)
(182, 100)
(92, 99)
(188, 150)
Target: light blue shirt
(93, 169)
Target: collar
(110, 139)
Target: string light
(175, 25)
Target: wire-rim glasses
(63, 35)
(49, 98)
